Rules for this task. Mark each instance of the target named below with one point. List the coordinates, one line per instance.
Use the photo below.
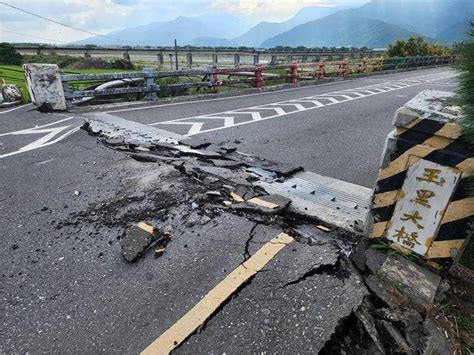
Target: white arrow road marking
(320, 100)
(299, 107)
(315, 102)
(43, 141)
(347, 97)
(255, 115)
(331, 99)
(353, 93)
(194, 129)
(228, 120)
(278, 110)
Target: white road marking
(219, 98)
(13, 109)
(332, 98)
(254, 94)
(45, 140)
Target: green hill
(344, 28)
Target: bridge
(227, 279)
(231, 56)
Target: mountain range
(374, 24)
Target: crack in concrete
(316, 269)
(248, 241)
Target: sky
(106, 16)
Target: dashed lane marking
(199, 124)
(50, 136)
(185, 326)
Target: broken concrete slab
(363, 313)
(230, 164)
(263, 174)
(374, 260)
(395, 339)
(116, 127)
(235, 177)
(246, 192)
(311, 235)
(387, 293)
(135, 242)
(151, 158)
(418, 283)
(201, 153)
(194, 142)
(358, 257)
(269, 204)
(436, 341)
(116, 142)
(302, 291)
(226, 149)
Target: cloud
(264, 9)
(126, 2)
(105, 16)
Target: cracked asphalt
(63, 207)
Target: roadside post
(421, 204)
(45, 86)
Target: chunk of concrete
(194, 143)
(436, 342)
(418, 283)
(135, 242)
(225, 148)
(230, 164)
(363, 313)
(358, 256)
(374, 259)
(200, 153)
(395, 338)
(236, 177)
(246, 192)
(45, 86)
(270, 204)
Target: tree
(466, 90)
(414, 46)
(8, 55)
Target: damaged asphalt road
(65, 283)
(67, 287)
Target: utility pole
(176, 53)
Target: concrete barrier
(45, 86)
(421, 203)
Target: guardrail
(149, 84)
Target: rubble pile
(196, 182)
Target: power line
(63, 24)
(25, 35)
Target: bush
(414, 46)
(62, 61)
(8, 55)
(122, 64)
(89, 63)
(466, 90)
(466, 66)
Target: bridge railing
(149, 84)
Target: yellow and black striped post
(426, 131)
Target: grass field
(14, 74)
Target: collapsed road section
(328, 291)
